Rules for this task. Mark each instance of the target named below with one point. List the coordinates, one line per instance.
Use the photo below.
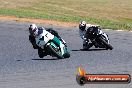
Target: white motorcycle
(99, 39)
(50, 44)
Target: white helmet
(82, 25)
(32, 29)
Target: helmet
(32, 29)
(82, 25)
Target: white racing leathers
(82, 33)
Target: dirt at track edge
(43, 21)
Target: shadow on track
(98, 49)
(48, 59)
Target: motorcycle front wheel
(108, 46)
(56, 52)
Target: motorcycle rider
(36, 31)
(83, 27)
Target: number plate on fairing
(43, 38)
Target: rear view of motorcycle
(98, 39)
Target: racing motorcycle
(51, 45)
(99, 39)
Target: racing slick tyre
(66, 55)
(107, 46)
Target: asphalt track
(20, 66)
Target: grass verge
(64, 11)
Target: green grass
(114, 14)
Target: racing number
(46, 35)
(42, 38)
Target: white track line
(119, 30)
(107, 29)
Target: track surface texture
(20, 66)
